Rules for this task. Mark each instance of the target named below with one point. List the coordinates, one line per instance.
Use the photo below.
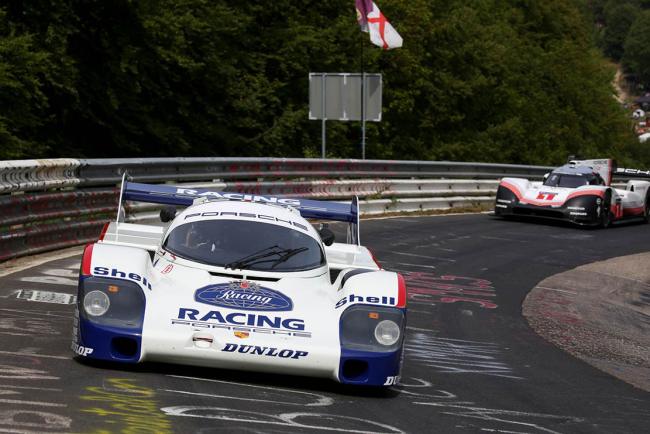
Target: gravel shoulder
(600, 313)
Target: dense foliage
(623, 34)
(518, 81)
(637, 48)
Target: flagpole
(323, 111)
(363, 106)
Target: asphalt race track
(472, 364)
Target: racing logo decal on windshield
(243, 295)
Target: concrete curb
(599, 313)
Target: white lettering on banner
(238, 196)
(45, 296)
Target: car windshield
(245, 244)
(566, 181)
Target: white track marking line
(44, 356)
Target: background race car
(579, 192)
(243, 282)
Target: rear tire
(646, 208)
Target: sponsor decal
(246, 215)
(167, 269)
(164, 253)
(264, 351)
(243, 295)
(392, 380)
(259, 330)
(237, 196)
(82, 351)
(241, 335)
(242, 319)
(384, 300)
(632, 171)
(114, 272)
(241, 322)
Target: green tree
(618, 18)
(23, 103)
(488, 80)
(637, 48)
(51, 96)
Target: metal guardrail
(25, 175)
(33, 175)
(49, 204)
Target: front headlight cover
(371, 328)
(96, 303)
(124, 302)
(387, 332)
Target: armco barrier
(100, 172)
(49, 204)
(24, 175)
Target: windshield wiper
(259, 257)
(253, 256)
(288, 255)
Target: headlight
(96, 303)
(111, 302)
(370, 328)
(387, 332)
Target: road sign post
(338, 96)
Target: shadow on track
(308, 384)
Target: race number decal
(546, 196)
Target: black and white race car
(579, 192)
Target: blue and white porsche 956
(242, 282)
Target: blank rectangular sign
(338, 95)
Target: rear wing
(183, 196)
(632, 173)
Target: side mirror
(546, 175)
(167, 214)
(326, 235)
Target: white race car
(579, 192)
(241, 282)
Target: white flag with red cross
(374, 22)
